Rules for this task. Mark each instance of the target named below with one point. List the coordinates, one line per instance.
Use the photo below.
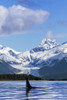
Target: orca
(28, 88)
(28, 85)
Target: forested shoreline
(17, 77)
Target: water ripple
(49, 90)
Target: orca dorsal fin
(28, 84)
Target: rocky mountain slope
(57, 71)
(6, 68)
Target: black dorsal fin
(28, 84)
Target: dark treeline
(17, 77)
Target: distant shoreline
(22, 77)
(17, 77)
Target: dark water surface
(48, 90)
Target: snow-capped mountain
(46, 44)
(47, 53)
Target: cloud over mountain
(18, 19)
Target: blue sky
(24, 23)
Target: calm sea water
(47, 90)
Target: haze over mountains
(46, 55)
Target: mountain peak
(48, 43)
(45, 45)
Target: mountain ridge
(47, 53)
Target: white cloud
(18, 19)
(51, 35)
